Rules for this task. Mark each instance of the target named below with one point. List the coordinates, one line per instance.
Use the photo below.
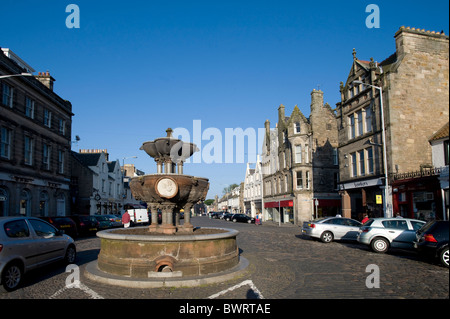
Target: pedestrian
(365, 219)
(258, 219)
(126, 219)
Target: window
(354, 171)
(351, 120)
(29, 107)
(16, 229)
(7, 95)
(368, 119)
(395, 224)
(5, 143)
(46, 151)
(307, 179)
(298, 153)
(43, 229)
(62, 126)
(60, 162)
(28, 154)
(47, 118)
(362, 170)
(335, 157)
(446, 152)
(369, 160)
(359, 114)
(297, 127)
(335, 180)
(300, 180)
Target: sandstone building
(299, 164)
(414, 81)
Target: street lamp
(383, 136)
(11, 75)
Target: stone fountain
(168, 250)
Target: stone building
(252, 189)
(35, 141)
(97, 183)
(414, 81)
(300, 164)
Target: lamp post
(11, 75)
(383, 136)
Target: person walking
(126, 219)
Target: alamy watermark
(73, 19)
(373, 280)
(373, 19)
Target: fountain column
(167, 226)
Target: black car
(63, 223)
(432, 240)
(86, 224)
(242, 218)
(227, 216)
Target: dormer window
(297, 127)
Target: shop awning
(282, 203)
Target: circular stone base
(93, 273)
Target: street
(283, 265)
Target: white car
(332, 228)
(382, 233)
(27, 243)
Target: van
(138, 216)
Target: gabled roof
(87, 159)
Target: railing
(423, 172)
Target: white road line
(246, 282)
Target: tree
(209, 202)
(229, 188)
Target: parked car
(227, 216)
(432, 240)
(86, 224)
(382, 233)
(242, 218)
(104, 222)
(115, 220)
(27, 243)
(328, 229)
(63, 223)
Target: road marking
(78, 285)
(246, 282)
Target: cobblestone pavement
(283, 264)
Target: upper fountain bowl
(168, 146)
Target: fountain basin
(132, 253)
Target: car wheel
(12, 277)
(326, 237)
(379, 245)
(234, 220)
(71, 255)
(249, 221)
(443, 257)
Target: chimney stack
(46, 79)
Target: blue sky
(135, 68)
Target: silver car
(332, 228)
(27, 243)
(382, 233)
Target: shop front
(418, 198)
(280, 211)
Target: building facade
(97, 183)
(35, 142)
(300, 164)
(253, 189)
(414, 82)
